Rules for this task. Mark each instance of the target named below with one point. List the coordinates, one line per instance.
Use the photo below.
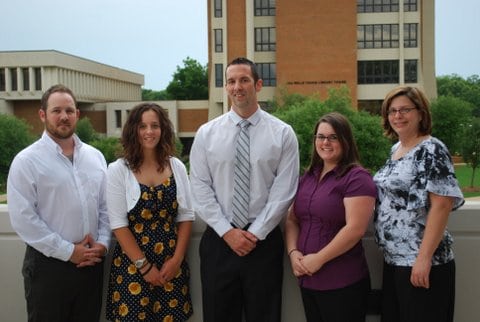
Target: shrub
(110, 147)
(15, 135)
(85, 130)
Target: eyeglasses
(402, 111)
(330, 138)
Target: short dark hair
(245, 61)
(132, 149)
(420, 101)
(59, 88)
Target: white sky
(153, 37)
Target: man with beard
(57, 205)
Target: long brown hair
(132, 149)
(350, 156)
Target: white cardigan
(123, 192)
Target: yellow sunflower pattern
(130, 298)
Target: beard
(62, 131)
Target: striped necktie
(241, 177)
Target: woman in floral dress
(148, 197)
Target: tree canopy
(189, 82)
(467, 89)
(303, 112)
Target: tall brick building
(309, 46)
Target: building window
(218, 40)
(411, 71)
(377, 36)
(378, 72)
(217, 8)
(364, 6)
(118, 119)
(268, 73)
(38, 78)
(410, 35)
(265, 39)
(218, 75)
(409, 5)
(264, 7)
(2, 80)
(26, 79)
(13, 79)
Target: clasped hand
(304, 264)
(242, 242)
(159, 277)
(87, 252)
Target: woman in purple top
(334, 203)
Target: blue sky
(153, 37)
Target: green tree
(110, 147)
(467, 89)
(190, 82)
(303, 113)
(85, 130)
(450, 116)
(15, 135)
(150, 95)
(471, 147)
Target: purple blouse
(321, 214)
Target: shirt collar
(51, 143)
(254, 119)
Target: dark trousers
(58, 291)
(233, 286)
(347, 304)
(402, 302)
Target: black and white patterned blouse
(402, 205)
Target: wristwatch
(139, 263)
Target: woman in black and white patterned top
(417, 190)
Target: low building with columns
(104, 93)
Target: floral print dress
(402, 205)
(130, 297)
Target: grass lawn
(464, 176)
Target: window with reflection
(377, 36)
(37, 71)
(268, 73)
(2, 80)
(410, 35)
(411, 71)
(118, 119)
(217, 8)
(409, 5)
(26, 79)
(366, 6)
(13, 79)
(378, 72)
(218, 75)
(218, 40)
(264, 7)
(265, 39)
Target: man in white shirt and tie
(242, 249)
(57, 205)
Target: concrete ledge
(464, 225)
